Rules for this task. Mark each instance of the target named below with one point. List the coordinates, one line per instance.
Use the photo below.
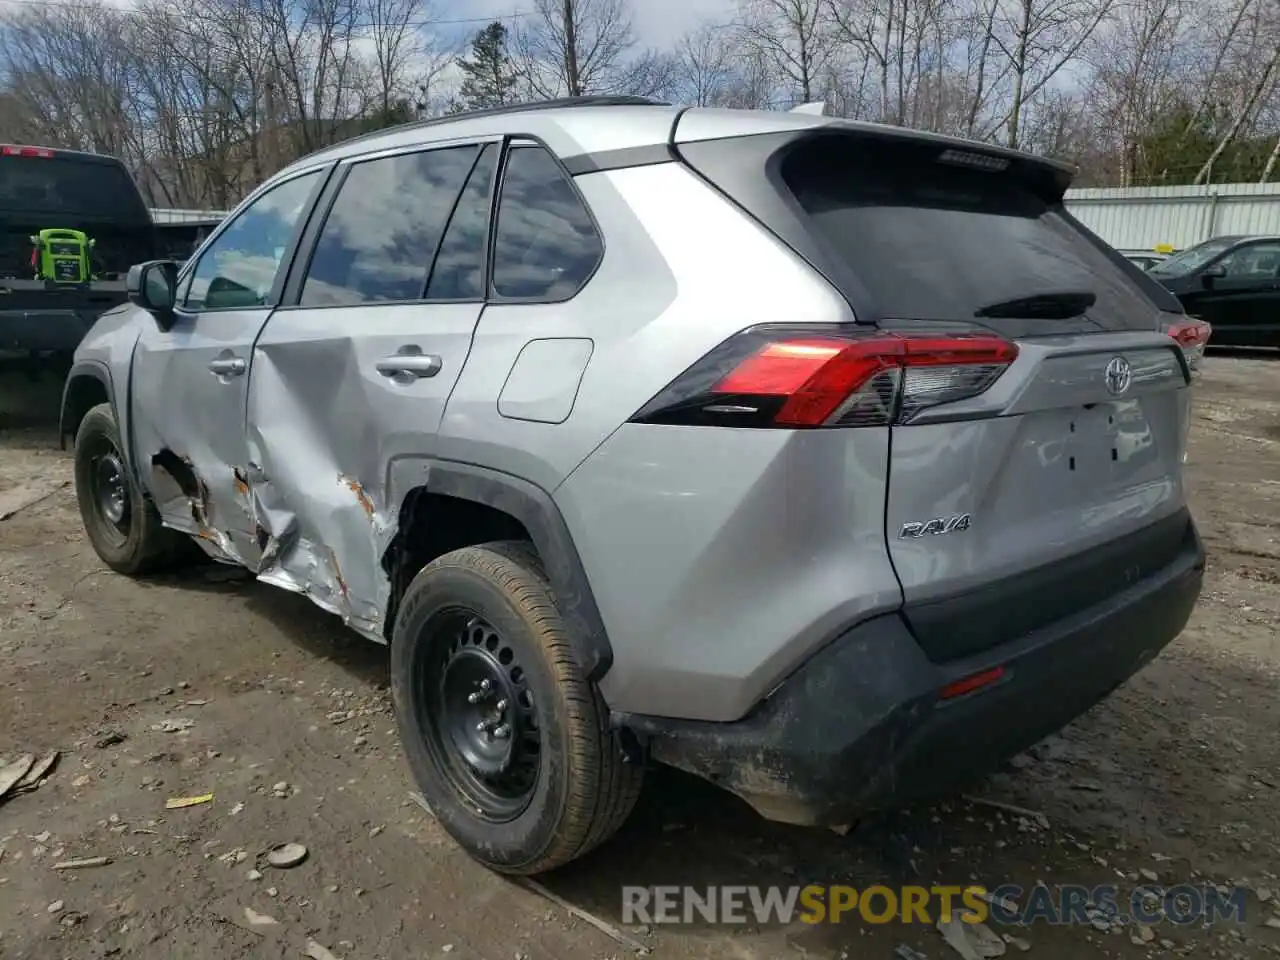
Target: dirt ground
(285, 719)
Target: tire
(139, 544)
(493, 601)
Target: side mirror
(153, 286)
(1215, 272)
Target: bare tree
(395, 30)
(1040, 38)
(979, 63)
(703, 66)
(1266, 81)
(1270, 166)
(203, 99)
(1136, 76)
(1209, 79)
(577, 47)
(903, 43)
(794, 38)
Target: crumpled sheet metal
(339, 525)
(292, 515)
(187, 500)
(316, 492)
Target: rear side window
(940, 242)
(458, 273)
(382, 232)
(546, 245)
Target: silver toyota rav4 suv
(826, 461)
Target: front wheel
(121, 523)
(507, 740)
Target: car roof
(566, 126)
(1235, 239)
(579, 126)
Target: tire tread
(158, 548)
(602, 787)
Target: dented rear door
(355, 375)
(189, 383)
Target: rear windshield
(67, 187)
(935, 241)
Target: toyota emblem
(1118, 376)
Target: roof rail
(602, 100)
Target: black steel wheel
(481, 719)
(121, 523)
(110, 490)
(507, 739)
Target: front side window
(382, 233)
(239, 268)
(546, 245)
(1257, 261)
(1193, 258)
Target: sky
(658, 23)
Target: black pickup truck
(42, 188)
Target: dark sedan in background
(1233, 283)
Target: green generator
(62, 256)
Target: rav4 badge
(935, 527)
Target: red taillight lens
(778, 376)
(14, 150)
(1190, 333)
(1192, 336)
(967, 685)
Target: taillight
(14, 150)
(834, 376)
(1192, 336)
(1189, 332)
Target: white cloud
(660, 23)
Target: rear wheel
(122, 524)
(507, 740)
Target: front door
(190, 382)
(1243, 304)
(356, 373)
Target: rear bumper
(861, 726)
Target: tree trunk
(1019, 73)
(571, 78)
(1271, 162)
(1243, 115)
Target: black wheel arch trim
(93, 369)
(537, 511)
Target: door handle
(409, 365)
(228, 366)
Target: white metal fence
(167, 215)
(1139, 218)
